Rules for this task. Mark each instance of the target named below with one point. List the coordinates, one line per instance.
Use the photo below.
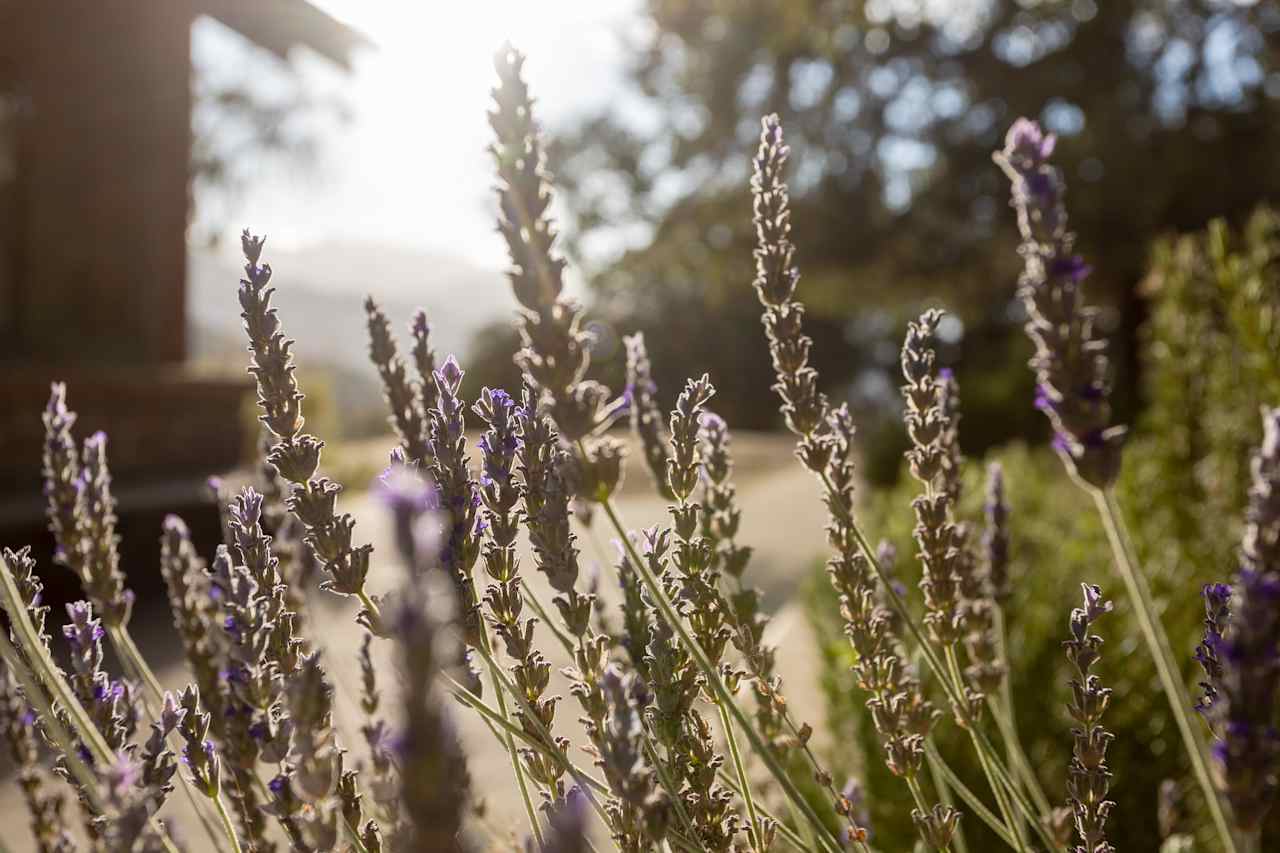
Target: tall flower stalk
(1088, 775)
(1074, 386)
(806, 410)
(1241, 652)
(296, 454)
(555, 357)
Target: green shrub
(1209, 358)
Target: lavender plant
(1073, 373)
(675, 741)
(1089, 776)
(1240, 648)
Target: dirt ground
(782, 521)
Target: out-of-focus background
(137, 138)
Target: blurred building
(95, 164)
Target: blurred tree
(1169, 113)
(252, 114)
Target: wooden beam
(281, 25)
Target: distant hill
(320, 294)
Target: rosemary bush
(692, 745)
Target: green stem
(565, 639)
(497, 726)
(997, 789)
(131, 655)
(668, 784)
(49, 721)
(921, 805)
(1018, 757)
(140, 671)
(753, 826)
(944, 795)
(1006, 718)
(806, 843)
(667, 611)
(355, 836)
(375, 615)
(516, 766)
(1161, 652)
(549, 745)
(937, 762)
(226, 822)
(939, 671)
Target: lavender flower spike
(404, 397)
(1089, 778)
(296, 454)
(646, 416)
(1244, 700)
(556, 350)
(1070, 360)
(434, 780)
(81, 510)
(803, 406)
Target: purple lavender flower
(459, 498)
(803, 406)
(110, 703)
(433, 771)
(410, 497)
(646, 415)
(1242, 657)
(567, 826)
(1217, 607)
(296, 455)
(1089, 778)
(1070, 361)
(81, 510)
(404, 398)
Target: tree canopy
(1168, 113)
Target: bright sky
(411, 169)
